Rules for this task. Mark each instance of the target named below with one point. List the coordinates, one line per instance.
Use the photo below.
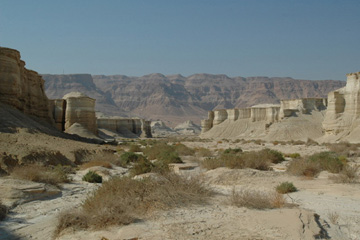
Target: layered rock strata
(135, 126)
(22, 88)
(343, 115)
(296, 119)
(80, 109)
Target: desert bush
(37, 173)
(260, 160)
(275, 143)
(94, 163)
(231, 150)
(256, 199)
(286, 187)
(303, 167)
(349, 174)
(142, 166)
(123, 200)
(135, 148)
(92, 177)
(297, 142)
(129, 157)
(212, 163)
(344, 148)
(184, 150)
(316, 163)
(203, 152)
(328, 161)
(3, 211)
(293, 155)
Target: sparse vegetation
(163, 152)
(36, 173)
(314, 164)
(95, 163)
(122, 200)
(333, 217)
(235, 150)
(184, 150)
(142, 166)
(3, 211)
(256, 199)
(135, 148)
(92, 177)
(349, 174)
(293, 155)
(344, 149)
(130, 157)
(260, 160)
(286, 187)
(203, 152)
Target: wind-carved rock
(80, 109)
(22, 88)
(296, 119)
(126, 126)
(343, 114)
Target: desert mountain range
(175, 98)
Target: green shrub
(272, 155)
(142, 166)
(92, 177)
(135, 148)
(328, 161)
(129, 157)
(293, 155)
(235, 150)
(184, 150)
(314, 164)
(286, 187)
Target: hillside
(175, 98)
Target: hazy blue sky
(306, 39)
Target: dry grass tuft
(123, 200)
(95, 163)
(256, 199)
(3, 211)
(344, 148)
(203, 152)
(349, 174)
(36, 173)
(333, 217)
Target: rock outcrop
(297, 119)
(22, 88)
(80, 109)
(175, 98)
(126, 126)
(188, 128)
(342, 119)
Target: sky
(303, 39)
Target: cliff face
(22, 88)
(342, 119)
(175, 98)
(297, 119)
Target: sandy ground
(216, 220)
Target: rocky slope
(175, 98)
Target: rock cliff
(342, 119)
(175, 98)
(80, 109)
(22, 88)
(297, 119)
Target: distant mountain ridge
(175, 98)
